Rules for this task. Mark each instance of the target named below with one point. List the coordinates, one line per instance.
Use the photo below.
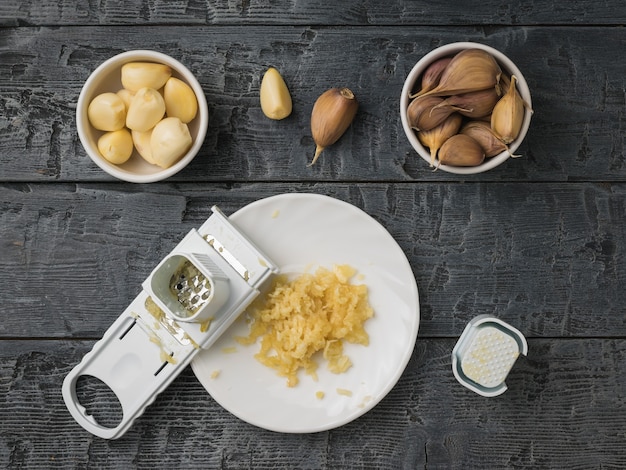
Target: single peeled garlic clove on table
(137, 75)
(180, 100)
(116, 146)
(169, 141)
(107, 112)
(274, 95)
(146, 109)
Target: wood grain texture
(577, 132)
(564, 409)
(279, 12)
(546, 257)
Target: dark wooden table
(539, 242)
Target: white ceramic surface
(300, 232)
(107, 78)
(410, 86)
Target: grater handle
(130, 361)
(96, 364)
(79, 412)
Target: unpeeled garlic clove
(146, 109)
(432, 75)
(180, 100)
(482, 133)
(116, 146)
(508, 114)
(461, 150)
(332, 114)
(425, 112)
(169, 141)
(107, 112)
(419, 111)
(434, 138)
(137, 75)
(475, 104)
(469, 70)
(274, 95)
(142, 144)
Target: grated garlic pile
(312, 313)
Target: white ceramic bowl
(411, 84)
(107, 78)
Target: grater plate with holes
(187, 302)
(485, 353)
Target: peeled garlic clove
(508, 114)
(141, 140)
(461, 150)
(116, 146)
(180, 100)
(424, 114)
(137, 75)
(169, 141)
(332, 114)
(274, 95)
(146, 109)
(432, 75)
(126, 96)
(434, 138)
(469, 70)
(482, 133)
(107, 112)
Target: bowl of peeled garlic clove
(142, 116)
(465, 108)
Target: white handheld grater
(191, 297)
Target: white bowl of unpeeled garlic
(465, 108)
(142, 116)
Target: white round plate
(300, 232)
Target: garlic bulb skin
(180, 100)
(146, 109)
(116, 146)
(169, 141)
(107, 112)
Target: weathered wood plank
(278, 12)
(546, 257)
(538, 242)
(564, 409)
(577, 85)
